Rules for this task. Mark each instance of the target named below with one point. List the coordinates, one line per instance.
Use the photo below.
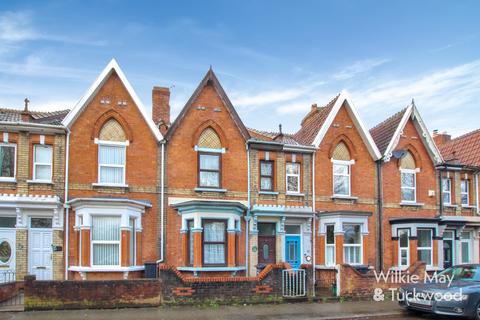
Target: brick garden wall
(9, 290)
(47, 295)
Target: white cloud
(359, 67)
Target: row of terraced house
(101, 190)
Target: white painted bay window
(42, 163)
(352, 244)
(214, 243)
(111, 163)
(293, 177)
(105, 241)
(330, 245)
(7, 161)
(403, 248)
(466, 246)
(424, 246)
(447, 191)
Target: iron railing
(7, 276)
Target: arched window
(341, 170)
(209, 159)
(112, 143)
(408, 174)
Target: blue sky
(274, 58)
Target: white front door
(40, 253)
(7, 254)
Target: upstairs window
(42, 163)
(112, 146)
(7, 161)
(447, 190)
(209, 159)
(464, 192)
(266, 175)
(293, 177)
(408, 174)
(341, 170)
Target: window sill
(324, 267)
(211, 269)
(210, 190)
(50, 182)
(269, 193)
(464, 206)
(106, 269)
(453, 206)
(340, 197)
(110, 185)
(295, 194)
(8, 180)
(411, 204)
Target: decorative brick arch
(212, 124)
(415, 154)
(104, 118)
(343, 138)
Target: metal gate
(293, 283)
(15, 302)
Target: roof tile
(464, 150)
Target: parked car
(460, 298)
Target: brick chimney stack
(161, 108)
(25, 115)
(441, 138)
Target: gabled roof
(42, 117)
(317, 122)
(210, 78)
(465, 149)
(387, 133)
(97, 85)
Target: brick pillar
(395, 256)
(365, 249)
(57, 256)
(339, 249)
(197, 248)
(125, 248)
(21, 262)
(139, 257)
(253, 256)
(413, 250)
(85, 254)
(77, 255)
(231, 249)
(185, 252)
(435, 253)
(321, 249)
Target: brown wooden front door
(266, 249)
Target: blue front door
(292, 251)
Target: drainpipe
(247, 217)
(380, 216)
(162, 202)
(314, 235)
(478, 193)
(65, 205)
(440, 192)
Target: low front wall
(9, 290)
(47, 295)
(178, 288)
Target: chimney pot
(161, 108)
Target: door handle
(42, 268)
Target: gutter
(28, 126)
(65, 204)
(162, 204)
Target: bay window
(111, 163)
(330, 245)
(466, 243)
(403, 248)
(464, 192)
(266, 175)
(352, 244)
(7, 161)
(209, 170)
(293, 177)
(42, 163)
(341, 178)
(105, 240)
(447, 190)
(424, 246)
(214, 243)
(408, 185)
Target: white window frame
(414, 188)
(35, 163)
(449, 192)
(119, 242)
(400, 248)
(330, 245)
(293, 175)
(466, 192)
(345, 245)
(469, 242)
(124, 166)
(132, 221)
(5, 144)
(429, 263)
(454, 246)
(347, 164)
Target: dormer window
(341, 170)
(408, 174)
(112, 143)
(209, 149)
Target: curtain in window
(106, 240)
(190, 242)
(266, 175)
(43, 162)
(214, 243)
(209, 170)
(341, 179)
(112, 163)
(7, 161)
(133, 240)
(352, 243)
(408, 186)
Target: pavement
(357, 310)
